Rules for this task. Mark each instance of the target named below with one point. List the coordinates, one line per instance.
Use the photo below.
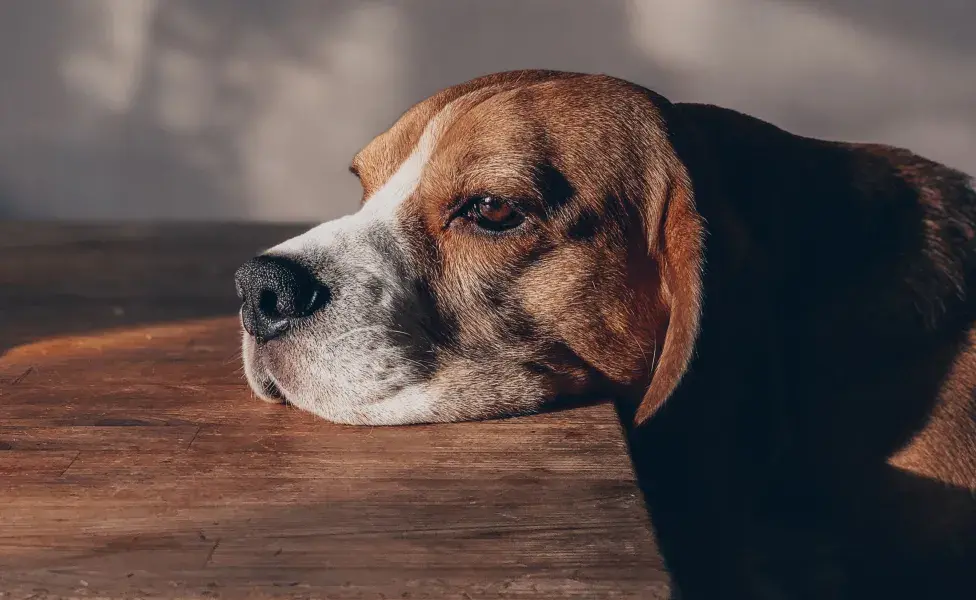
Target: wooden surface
(134, 462)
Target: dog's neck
(823, 354)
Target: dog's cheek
(484, 385)
(586, 299)
(486, 370)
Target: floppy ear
(679, 238)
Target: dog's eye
(494, 214)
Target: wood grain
(135, 462)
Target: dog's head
(523, 236)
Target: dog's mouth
(271, 390)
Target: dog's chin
(365, 404)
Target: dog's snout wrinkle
(274, 292)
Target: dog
(787, 323)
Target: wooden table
(134, 462)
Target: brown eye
(494, 214)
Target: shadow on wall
(245, 109)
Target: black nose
(274, 292)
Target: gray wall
(251, 109)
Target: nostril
(268, 304)
(319, 298)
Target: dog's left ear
(676, 234)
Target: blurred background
(252, 109)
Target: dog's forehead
(505, 135)
(386, 154)
(417, 131)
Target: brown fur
(787, 321)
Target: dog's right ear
(676, 234)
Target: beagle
(787, 322)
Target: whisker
(354, 331)
(417, 363)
